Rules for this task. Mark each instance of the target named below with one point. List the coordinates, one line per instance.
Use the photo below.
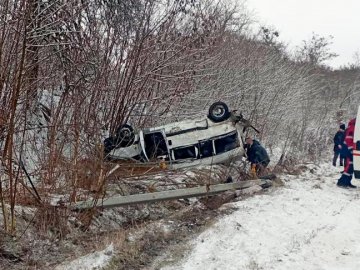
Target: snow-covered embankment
(308, 224)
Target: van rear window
(184, 152)
(226, 143)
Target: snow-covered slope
(308, 224)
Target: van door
(155, 145)
(356, 151)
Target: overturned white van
(215, 138)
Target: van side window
(226, 143)
(184, 152)
(206, 149)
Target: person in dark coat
(339, 145)
(345, 179)
(257, 155)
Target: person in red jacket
(345, 179)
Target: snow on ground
(92, 261)
(308, 224)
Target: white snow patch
(308, 224)
(92, 261)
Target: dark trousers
(336, 155)
(345, 179)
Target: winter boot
(352, 186)
(342, 185)
(344, 181)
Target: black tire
(109, 144)
(218, 112)
(125, 136)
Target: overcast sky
(296, 20)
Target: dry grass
(138, 238)
(53, 219)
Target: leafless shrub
(72, 72)
(53, 220)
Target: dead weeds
(140, 233)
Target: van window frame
(182, 147)
(213, 145)
(211, 141)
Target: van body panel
(126, 152)
(187, 143)
(356, 151)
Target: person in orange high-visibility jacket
(345, 179)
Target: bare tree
(316, 50)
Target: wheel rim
(125, 133)
(218, 111)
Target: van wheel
(218, 112)
(125, 135)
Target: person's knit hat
(342, 126)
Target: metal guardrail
(207, 190)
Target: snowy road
(308, 224)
